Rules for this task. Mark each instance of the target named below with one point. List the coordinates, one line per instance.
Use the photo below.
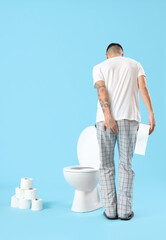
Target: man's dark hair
(115, 46)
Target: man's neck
(115, 55)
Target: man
(118, 81)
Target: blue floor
(57, 221)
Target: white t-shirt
(120, 76)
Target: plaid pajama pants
(126, 140)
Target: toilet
(84, 177)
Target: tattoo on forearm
(104, 104)
(99, 86)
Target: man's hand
(151, 123)
(111, 125)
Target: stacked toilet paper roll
(26, 196)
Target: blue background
(48, 50)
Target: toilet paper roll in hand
(142, 138)
(26, 183)
(14, 202)
(24, 203)
(37, 204)
(19, 192)
(30, 193)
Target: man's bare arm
(147, 100)
(105, 105)
(103, 98)
(145, 93)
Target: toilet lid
(88, 148)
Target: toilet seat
(88, 148)
(78, 168)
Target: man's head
(113, 50)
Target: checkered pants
(126, 139)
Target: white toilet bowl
(84, 178)
(85, 182)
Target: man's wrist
(151, 113)
(108, 115)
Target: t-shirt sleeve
(97, 75)
(140, 70)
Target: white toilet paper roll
(14, 202)
(142, 138)
(24, 203)
(26, 183)
(30, 193)
(37, 204)
(19, 192)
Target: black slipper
(129, 217)
(112, 218)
